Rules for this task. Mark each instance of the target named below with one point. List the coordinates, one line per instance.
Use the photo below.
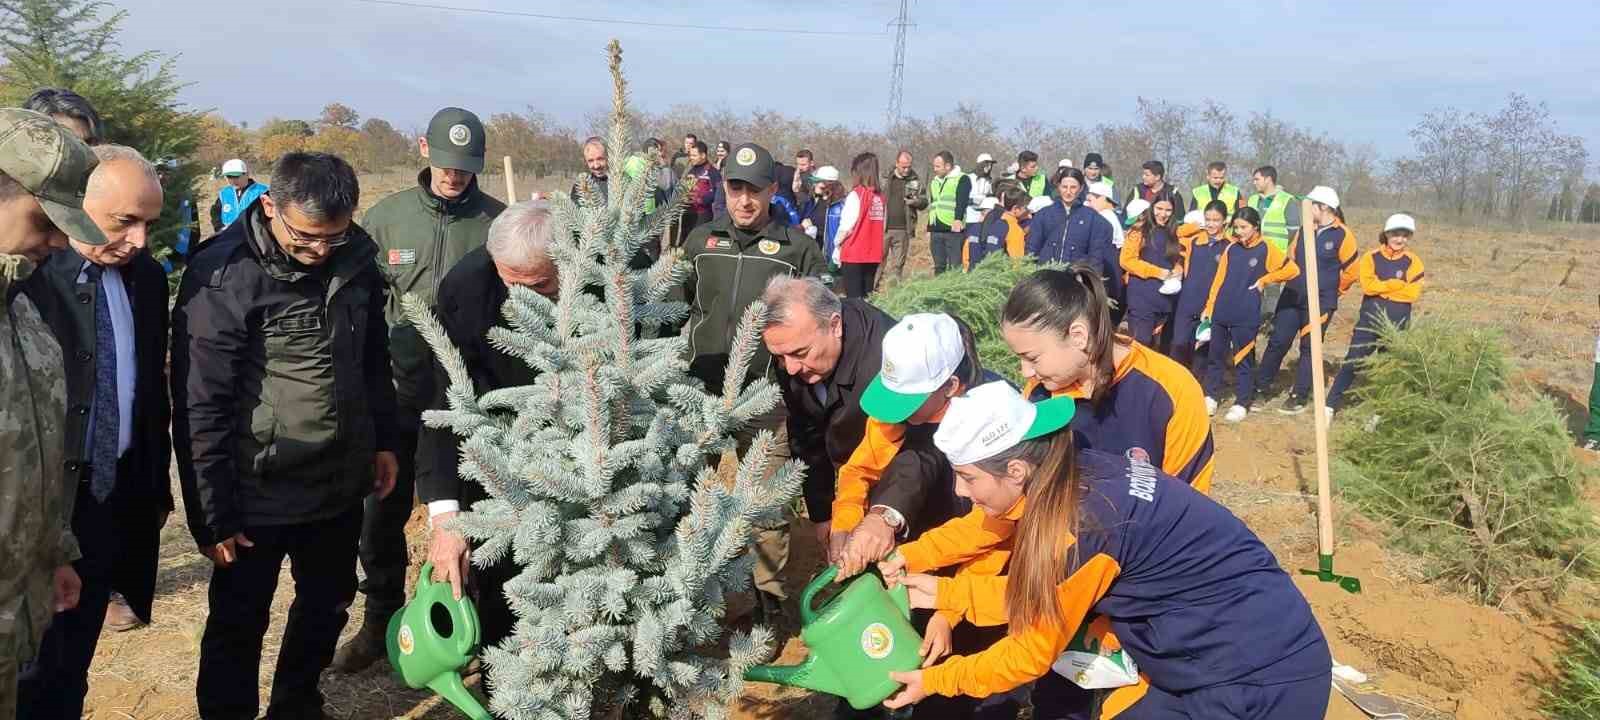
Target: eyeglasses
(302, 240)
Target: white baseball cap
(1012, 169)
(1103, 189)
(233, 168)
(1065, 162)
(920, 353)
(1195, 217)
(1400, 221)
(983, 158)
(1325, 195)
(1039, 203)
(993, 418)
(1137, 207)
(988, 203)
(826, 173)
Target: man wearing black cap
(1094, 170)
(421, 233)
(730, 260)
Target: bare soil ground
(1419, 642)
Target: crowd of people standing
(293, 398)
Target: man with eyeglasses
(283, 423)
(421, 233)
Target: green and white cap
(53, 165)
(993, 418)
(456, 140)
(920, 353)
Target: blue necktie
(107, 411)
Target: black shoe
(367, 647)
(1293, 405)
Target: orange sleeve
(1367, 273)
(1016, 240)
(1284, 268)
(1409, 289)
(982, 598)
(1134, 265)
(1025, 655)
(1186, 235)
(880, 442)
(1347, 252)
(1187, 451)
(966, 254)
(1216, 286)
(959, 540)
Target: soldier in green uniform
(421, 233)
(44, 170)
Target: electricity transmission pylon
(897, 74)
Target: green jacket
(35, 498)
(726, 274)
(281, 393)
(420, 237)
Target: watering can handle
(807, 613)
(425, 578)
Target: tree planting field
(1420, 642)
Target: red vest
(865, 244)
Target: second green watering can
(432, 638)
(853, 643)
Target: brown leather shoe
(120, 617)
(367, 647)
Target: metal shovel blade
(1373, 704)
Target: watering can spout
(450, 687)
(809, 675)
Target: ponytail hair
(970, 371)
(1043, 548)
(1053, 299)
(1249, 215)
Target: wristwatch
(891, 517)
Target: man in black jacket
(283, 409)
(470, 300)
(826, 351)
(107, 306)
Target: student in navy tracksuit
(1216, 626)
(1336, 250)
(1069, 230)
(1204, 249)
(1233, 307)
(1391, 280)
(1151, 255)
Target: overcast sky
(1361, 71)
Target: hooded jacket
(419, 237)
(35, 499)
(281, 392)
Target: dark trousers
(1363, 343)
(859, 279)
(969, 639)
(383, 528)
(1286, 324)
(1183, 348)
(1056, 698)
(1227, 340)
(1143, 325)
(946, 248)
(322, 562)
(54, 685)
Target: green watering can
(432, 638)
(855, 641)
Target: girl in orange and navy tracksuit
(1391, 280)
(1131, 400)
(1336, 251)
(1151, 253)
(1233, 307)
(1215, 625)
(1202, 252)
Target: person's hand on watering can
(924, 589)
(385, 468)
(867, 544)
(893, 569)
(449, 553)
(935, 640)
(911, 694)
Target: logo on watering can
(405, 641)
(876, 641)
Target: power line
(613, 21)
(897, 72)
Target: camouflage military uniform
(35, 504)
